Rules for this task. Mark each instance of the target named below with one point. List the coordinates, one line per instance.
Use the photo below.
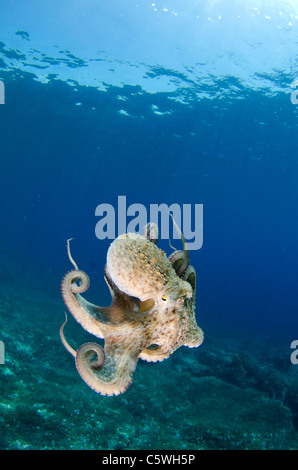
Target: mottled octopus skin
(137, 270)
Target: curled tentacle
(177, 260)
(85, 363)
(182, 265)
(87, 366)
(84, 352)
(151, 232)
(111, 373)
(70, 283)
(69, 288)
(87, 314)
(83, 311)
(189, 275)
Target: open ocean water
(171, 102)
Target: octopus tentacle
(113, 376)
(177, 260)
(194, 337)
(151, 232)
(87, 314)
(69, 255)
(83, 357)
(64, 342)
(184, 255)
(71, 278)
(86, 352)
(84, 312)
(189, 275)
(87, 366)
(154, 354)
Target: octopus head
(140, 269)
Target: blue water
(178, 103)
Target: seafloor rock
(227, 417)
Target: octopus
(152, 312)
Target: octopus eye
(164, 298)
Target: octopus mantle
(151, 314)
